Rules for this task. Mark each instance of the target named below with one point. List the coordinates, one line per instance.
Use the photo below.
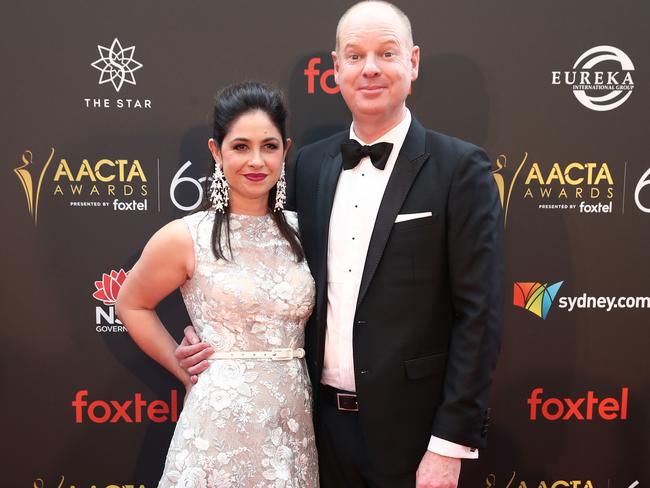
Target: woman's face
(251, 157)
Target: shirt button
(350, 270)
(353, 238)
(356, 206)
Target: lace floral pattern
(246, 423)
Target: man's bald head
(361, 7)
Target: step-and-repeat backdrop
(105, 116)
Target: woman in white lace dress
(248, 290)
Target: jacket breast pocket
(425, 366)
(419, 223)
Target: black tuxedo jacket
(427, 324)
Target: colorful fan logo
(537, 298)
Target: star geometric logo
(116, 65)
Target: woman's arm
(167, 261)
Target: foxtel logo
(584, 408)
(129, 411)
(313, 73)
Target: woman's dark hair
(231, 103)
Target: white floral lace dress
(246, 423)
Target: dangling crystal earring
(281, 191)
(219, 190)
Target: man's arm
(474, 240)
(476, 268)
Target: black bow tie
(352, 152)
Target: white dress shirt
(358, 195)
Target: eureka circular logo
(601, 78)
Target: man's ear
(415, 62)
(335, 61)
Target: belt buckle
(282, 354)
(345, 395)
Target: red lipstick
(255, 176)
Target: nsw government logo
(601, 78)
(106, 291)
(117, 66)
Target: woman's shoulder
(174, 232)
(197, 217)
(199, 220)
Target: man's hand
(436, 471)
(192, 354)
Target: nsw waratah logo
(109, 286)
(537, 298)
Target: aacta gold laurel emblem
(501, 184)
(24, 174)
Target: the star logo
(116, 65)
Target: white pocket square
(405, 217)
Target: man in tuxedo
(402, 230)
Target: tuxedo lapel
(327, 180)
(409, 161)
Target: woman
(248, 290)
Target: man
(404, 241)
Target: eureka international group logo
(601, 78)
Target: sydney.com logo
(538, 298)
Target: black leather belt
(345, 401)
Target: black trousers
(343, 456)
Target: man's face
(375, 63)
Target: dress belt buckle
(353, 399)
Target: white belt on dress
(282, 354)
